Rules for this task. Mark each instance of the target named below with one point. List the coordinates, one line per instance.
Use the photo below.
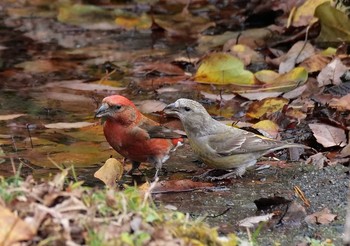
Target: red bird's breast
(135, 144)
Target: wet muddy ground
(51, 72)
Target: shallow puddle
(53, 78)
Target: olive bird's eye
(187, 109)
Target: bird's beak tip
(169, 108)
(102, 111)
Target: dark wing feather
(159, 131)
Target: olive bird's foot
(219, 174)
(211, 175)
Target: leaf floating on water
(110, 172)
(67, 125)
(328, 136)
(10, 116)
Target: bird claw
(220, 175)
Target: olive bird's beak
(171, 109)
(102, 111)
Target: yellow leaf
(267, 126)
(222, 69)
(266, 106)
(304, 15)
(266, 76)
(110, 172)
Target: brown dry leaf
(160, 67)
(318, 160)
(266, 106)
(183, 24)
(67, 125)
(13, 229)
(246, 54)
(251, 222)
(10, 116)
(315, 63)
(295, 214)
(110, 172)
(296, 114)
(341, 104)
(345, 152)
(81, 86)
(323, 217)
(179, 186)
(327, 135)
(299, 52)
(150, 106)
(331, 73)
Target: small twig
(13, 166)
(220, 214)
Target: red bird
(135, 136)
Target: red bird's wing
(159, 131)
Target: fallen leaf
(304, 14)
(259, 95)
(267, 106)
(10, 116)
(13, 229)
(251, 222)
(110, 172)
(67, 125)
(267, 126)
(341, 104)
(179, 186)
(222, 68)
(323, 217)
(142, 22)
(299, 52)
(315, 63)
(327, 135)
(295, 214)
(150, 106)
(296, 114)
(161, 68)
(183, 24)
(335, 25)
(246, 54)
(332, 73)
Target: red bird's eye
(117, 107)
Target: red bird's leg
(135, 165)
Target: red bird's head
(118, 108)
